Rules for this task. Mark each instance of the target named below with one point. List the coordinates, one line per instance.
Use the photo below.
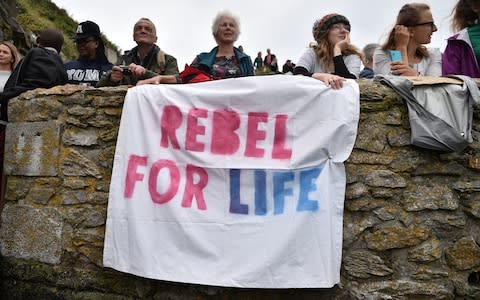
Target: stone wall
(411, 221)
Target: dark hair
(51, 38)
(463, 14)
(409, 15)
(100, 56)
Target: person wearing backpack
(144, 61)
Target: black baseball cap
(87, 29)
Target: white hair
(218, 18)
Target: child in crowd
(42, 67)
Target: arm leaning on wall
(434, 67)
(381, 62)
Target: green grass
(37, 15)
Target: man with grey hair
(223, 61)
(368, 50)
(146, 60)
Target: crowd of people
(331, 58)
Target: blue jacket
(205, 61)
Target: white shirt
(309, 61)
(428, 66)
(3, 78)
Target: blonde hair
(15, 54)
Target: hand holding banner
(236, 182)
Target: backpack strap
(161, 60)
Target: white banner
(237, 182)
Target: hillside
(22, 20)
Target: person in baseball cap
(87, 29)
(92, 62)
(332, 58)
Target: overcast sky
(184, 26)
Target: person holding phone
(333, 57)
(413, 29)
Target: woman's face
(338, 32)
(87, 48)
(6, 57)
(422, 31)
(227, 31)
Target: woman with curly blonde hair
(333, 58)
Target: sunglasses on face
(84, 41)
(431, 24)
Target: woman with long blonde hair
(9, 58)
(333, 58)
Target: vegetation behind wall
(22, 20)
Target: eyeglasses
(431, 24)
(340, 26)
(84, 41)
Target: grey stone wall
(411, 220)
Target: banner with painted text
(237, 182)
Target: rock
(427, 251)
(385, 178)
(364, 264)
(395, 237)
(464, 254)
(37, 232)
(421, 197)
(403, 289)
